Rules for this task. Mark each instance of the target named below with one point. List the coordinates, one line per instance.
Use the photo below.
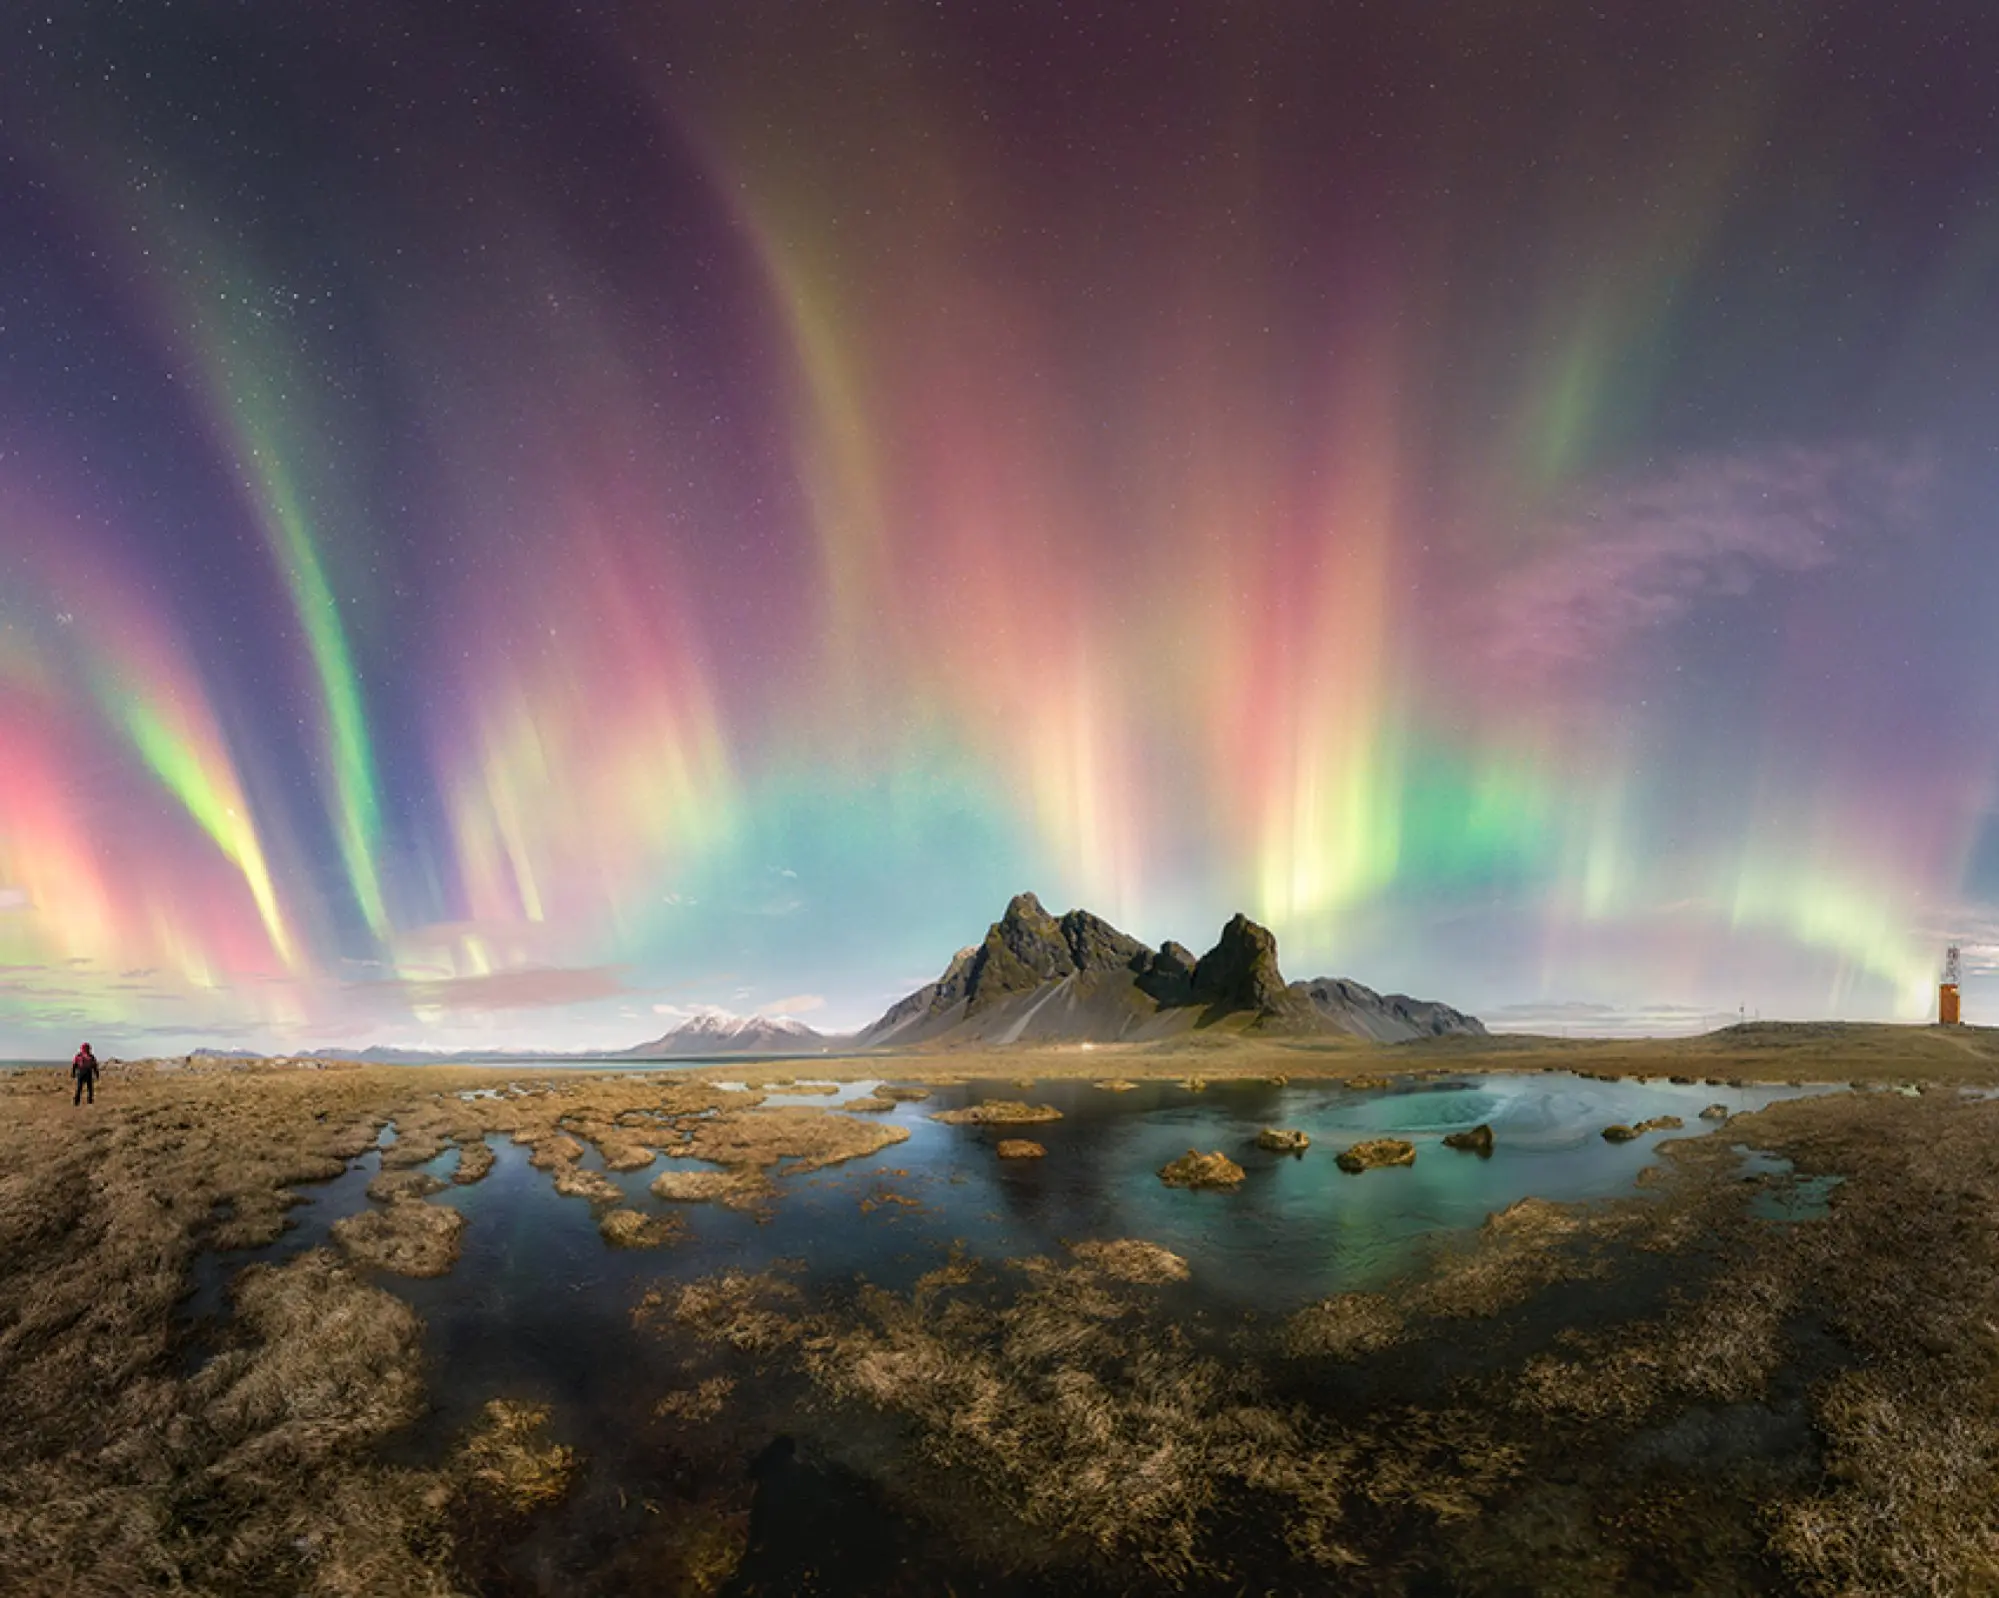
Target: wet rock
(1681, 1081)
(1282, 1141)
(1377, 1151)
(1020, 1148)
(1660, 1123)
(1194, 1169)
(1619, 1133)
(1715, 1112)
(1474, 1140)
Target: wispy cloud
(1581, 1018)
(533, 988)
(794, 1005)
(1641, 555)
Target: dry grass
(1279, 1140)
(868, 1104)
(1019, 1148)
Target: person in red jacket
(84, 1068)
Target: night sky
(518, 521)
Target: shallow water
(539, 1308)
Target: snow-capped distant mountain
(718, 1032)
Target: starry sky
(520, 521)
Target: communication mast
(1953, 971)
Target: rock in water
(1280, 1141)
(1715, 1112)
(1476, 1140)
(1619, 1133)
(1193, 1169)
(1377, 1151)
(1020, 1148)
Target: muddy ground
(1668, 1393)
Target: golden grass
(742, 1188)
(1019, 1148)
(1280, 1140)
(802, 1139)
(510, 1458)
(406, 1236)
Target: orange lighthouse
(1947, 989)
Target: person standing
(84, 1068)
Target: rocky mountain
(718, 1032)
(1041, 978)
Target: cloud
(797, 1004)
(533, 988)
(1582, 1018)
(1639, 556)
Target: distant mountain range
(1039, 978)
(718, 1032)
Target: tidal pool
(538, 1306)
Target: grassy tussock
(406, 1236)
(510, 1457)
(999, 1112)
(803, 1139)
(741, 1188)
(636, 1229)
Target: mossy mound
(1020, 1148)
(407, 1236)
(634, 1229)
(1194, 1169)
(999, 1112)
(1279, 1140)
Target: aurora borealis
(518, 520)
